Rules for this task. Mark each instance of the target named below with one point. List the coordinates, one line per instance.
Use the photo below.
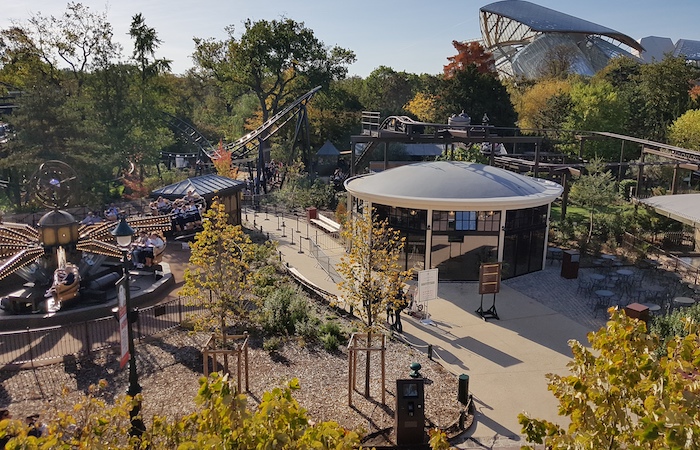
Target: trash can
(570, 263)
(311, 213)
(463, 391)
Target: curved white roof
(452, 185)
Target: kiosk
(409, 416)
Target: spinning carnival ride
(59, 258)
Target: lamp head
(123, 233)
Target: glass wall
(462, 240)
(523, 247)
(412, 223)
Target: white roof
(684, 208)
(452, 185)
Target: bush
(331, 336)
(671, 325)
(272, 344)
(308, 329)
(330, 342)
(283, 309)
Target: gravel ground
(169, 366)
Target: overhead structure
(524, 38)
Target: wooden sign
(489, 278)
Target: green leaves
(620, 395)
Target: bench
(330, 223)
(324, 226)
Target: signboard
(427, 284)
(490, 278)
(123, 322)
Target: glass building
(524, 38)
(457, 215)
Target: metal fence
(324, 261)
(52, 344)
(670, 261)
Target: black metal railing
(52, 344)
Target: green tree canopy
(277, 60)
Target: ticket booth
(409, 416)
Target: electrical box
(409, 416)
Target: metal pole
(137, 426)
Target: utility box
(311, 213)
(637, 311)
(409, 415)
(570, 264)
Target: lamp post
(123, 234)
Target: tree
(620, 394)
(387, 91)
(277, 60)
(218, 273)
(224, 421)
(545, 105)
(475, 93)
(685, 131)
(469, 53)
(665, 87)
(372, 276)
(596, 106)
(594, 190)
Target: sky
(412, 36)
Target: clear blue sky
(415, 36)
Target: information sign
(427, 284)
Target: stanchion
(292, 236)
(284, 229)
(300, 250)
(307, 229)
(278, 222)
(266, 218)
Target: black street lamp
(123, 234)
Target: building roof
(328, 149)
(684, 208)
(688, 49)
(453, 185)
(208, 186)
(545, 20)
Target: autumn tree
(370, 271)
(685, 131)
(594, 191)
(545, 105)
(218, 273)
(223, 420)
(621, 394)
(469, 53)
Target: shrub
(272, 344)
(330, 342)
(308, 329)
(331, 336)
(283, 309)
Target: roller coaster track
(189, 134)
(242, 148)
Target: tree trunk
(590, 229)
(367, 363)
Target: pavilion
(457, 215)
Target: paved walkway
(506, 359)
